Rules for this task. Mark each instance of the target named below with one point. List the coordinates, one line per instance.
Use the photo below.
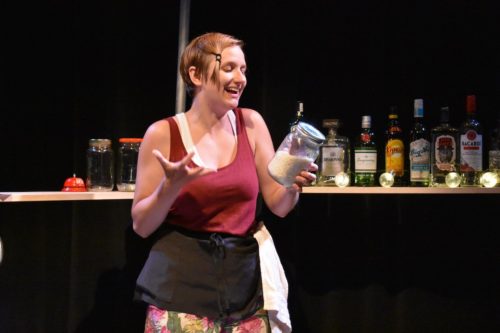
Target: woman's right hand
(179, 173)
(158, 188)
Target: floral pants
(162, 321)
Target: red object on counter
(74, 184)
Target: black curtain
(75, 70)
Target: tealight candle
(342, 179)
(453, 179)
(386, 179)
(489, 179)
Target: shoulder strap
(187, 140)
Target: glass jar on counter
(128, 153)
(100, 165)
(299, 149)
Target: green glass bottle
(365, 155)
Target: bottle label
(420, 159)
(445, 153)
(332, 160)
(365, 161)
(394, 157)
(471, 151)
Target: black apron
(207, 274)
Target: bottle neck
(332, 132)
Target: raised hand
(180, 172)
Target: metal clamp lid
(310, 132)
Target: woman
(199, 174)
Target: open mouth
(232, 90)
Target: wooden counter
(63, 196)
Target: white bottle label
(420, 159)
(332, 161)
(365, 161)
(445, 152)
(471, 151)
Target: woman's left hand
(305, 178)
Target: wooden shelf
(63, 196)
(399, 190)
(116, 195)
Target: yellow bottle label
(394, 157)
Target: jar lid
(130, 140)
(100, 142)
(311, 132)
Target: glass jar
(100, 165)
(299, 149)
(128, 153)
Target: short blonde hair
(200, 52)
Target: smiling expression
(230, 77)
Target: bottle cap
(130, 140)
(331, 123)
(100, 143)
(418, 108)
(445, 114)
(366, 122)
(393, 112)
(471, 104)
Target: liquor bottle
(419, 156)
(365, 155)
(334, 154)
(445, 154)
(471, 146)
(394, 148)
(298, 115)
(494, 151)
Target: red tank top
(223, 201)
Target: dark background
(75, 70)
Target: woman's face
(232, 78)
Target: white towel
(274, 283)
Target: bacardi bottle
(395, 149)
(420, 147)
(471, 146)
(365, 155)
(334, 154)
(445, 154)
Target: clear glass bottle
(334, 156)
(494, 150)
(420, 147)
(298, 115)
(299, 149)
(471, 146)
(128, 153)
(365, 155)
(100, 165)
(445, 153)
(395, 148)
